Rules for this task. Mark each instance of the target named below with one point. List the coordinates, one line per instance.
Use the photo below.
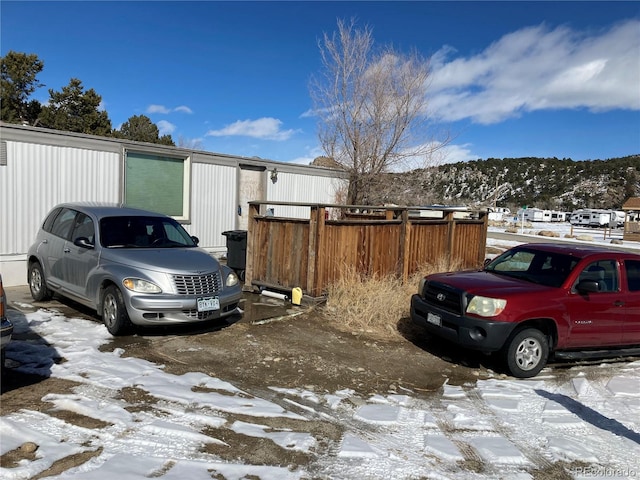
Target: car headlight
(486, 307)
(232, 280)
(141, 286)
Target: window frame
(150, 156)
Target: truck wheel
(114, 313)
(38, 284)
(526, 353)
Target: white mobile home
(207, 192)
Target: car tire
(114, 312)
(526, 353)
(38, 284)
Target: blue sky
(509, 79)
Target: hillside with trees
(547, 183)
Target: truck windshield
(545, 268)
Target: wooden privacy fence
(284, 253)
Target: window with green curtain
(155, 183)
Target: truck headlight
(486, 307)
(141, 286)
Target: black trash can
(237, 251)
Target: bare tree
(190, 143)
(372, 108)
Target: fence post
(451, 231)
(316, 225)
(254, 211)
(405, 239)
(483, 249)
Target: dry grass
(374, 306)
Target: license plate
(435, 319)
(208, 304)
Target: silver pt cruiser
(134, 267)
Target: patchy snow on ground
(587, 420)
(495, 428)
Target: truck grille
(197, 284)
(444, 297)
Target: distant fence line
(284, 253)
(605, 232)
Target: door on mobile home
(251, 188)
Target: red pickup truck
(536, 301)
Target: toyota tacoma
(535, 302)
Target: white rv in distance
(534, 215)
(539, 215)
(557, 216)
(499, 213)
(594, 218)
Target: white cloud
(165, 110)
(165, 128)
(536, 68)
(183, 109)
(438, 155)
(157, 109)
(311, 154)
(265, 128)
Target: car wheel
(526, 353)
(38, 284)
(114, 313)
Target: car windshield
(143, 232)
(545, 268)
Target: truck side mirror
(587, 286)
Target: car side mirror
(83, 242)
(195, 239)
(587, 286)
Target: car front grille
(444, 297)
(197, 284)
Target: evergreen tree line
(73, 109)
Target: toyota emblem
(441, 297)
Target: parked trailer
(594, 218)
(534, 215)
(558, 216)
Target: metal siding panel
(213, 204)
(93, 177)
(292, 187)
(37, 177)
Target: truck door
(631, 327)
(596, 318)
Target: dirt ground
(272, 344)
